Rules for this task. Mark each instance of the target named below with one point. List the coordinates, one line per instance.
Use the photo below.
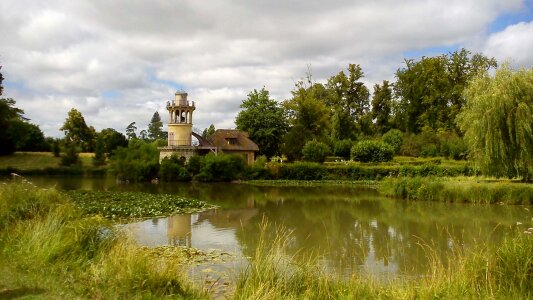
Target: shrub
(138, 162)
(302, 171)
(222, 167)
(315, 151)
(71, 156)
(172, 169)
(195, 164)
(372, 151)
(394, 137)
(342, 148)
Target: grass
(38, 160)
(458, 189)
(49, 250)
(502, 272)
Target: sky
(120, 61)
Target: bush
(342, 148)
(172, 169)
(222, 167)
(195, 164)
(302, 171)
(138, 162)
(315, 151)
(372, 151)
(71, 156)
(394, 137)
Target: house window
(231, 141)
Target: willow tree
(497, 122)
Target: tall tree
(111, 140)
(382, 106)
(77, 132)
(1, 80)
(208, 131)
(497, 122)
(9, 116)
(264, 120)
(349, 102)
(155, 128)
(308, 115)
(130, 131)
(431, 90)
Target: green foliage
(348, 101)
(27, 136)
(382, 106)
(222, 167)
(342, 148)
(99, 152)
(56, 150)
(128, 205)
(173, 169)
(9, 114)
(449, 190)
(138, 162)
(264, 120)
(372, 151)
(314, 151)
(1, 86)
(194, 165)
(497, 122)
(130, 131)
(302, 171)
(155, 128)
(77, 132)
(208, 131)
(430, 90)
(111, 140)
(393, 137)
(70, 155)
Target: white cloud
(514, 44)
(119, 61)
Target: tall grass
(46, 244)
(457, 190)
(501, 272)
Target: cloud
(119, 61)
(514, 44)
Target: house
(233, 141)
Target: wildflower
(518, 223)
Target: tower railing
(180, 103)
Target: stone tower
(180, 124)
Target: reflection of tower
(180, 124)
(179, 230)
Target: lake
(353, 229)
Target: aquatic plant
(128, 205)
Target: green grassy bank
(501, 272)
(49, 250)
(44, 163)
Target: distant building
(180, 133)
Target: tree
(1, 79)
(309, 116)
(382, 106)
(143, 135)
(27, 136)
(155, 128)
(111, 140)
(431, 90)
(9, 116)
(497, 122)
(99, 152)
(208, 131)
(264, 120)
(348, 100)
(130, 131)
(77, 132)
(315, 151)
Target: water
(354, 230)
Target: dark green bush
(71, 156)
(372, 151)
(394, 137)
(222, 167)
(172, 169)
(302, 171)
(342, 148)
(195, 164)
(314, 151)
(138, 162)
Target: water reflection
(354, 229)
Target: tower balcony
(180, 104)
